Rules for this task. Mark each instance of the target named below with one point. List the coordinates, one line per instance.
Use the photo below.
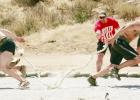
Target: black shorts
(7, 44)
(100, 47)
(121, 49)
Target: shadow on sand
(127, 86)
(5, 88)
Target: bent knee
(137, 59)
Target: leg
(100, 55)
(7, 50)
(129, 53)
(14, 62)
(130, 63)
(5, 59)
(127, 63)
(99, 61)
(92, 79)
(122, 47)
(115, 60)
(103, 72)
(21, 69)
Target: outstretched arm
(135, 26)
(12, 35)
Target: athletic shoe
(92, 81)
(24, 85)
(115, 73)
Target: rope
(63, 78)
(56, 85)
(21, 54)
(104, 48)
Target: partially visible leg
(21, 69)
(6, 56)
(92, 79)
(130, 63)
(99, 61)
(103, 72)
(5, 59)
(128, 53)
(14, 62)
(115, 60)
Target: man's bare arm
(131, 27)
(8, 33)
(12, 35)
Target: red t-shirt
(107, 29)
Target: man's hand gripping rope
(108, 40)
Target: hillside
(48, 29)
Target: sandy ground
(49, 88)
(63, 63)
(72, 89)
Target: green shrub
(83, 10)
(7, 21)
(110, 5)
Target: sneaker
(14, 62)
(92, 81)
(24, 85)
(115, 73)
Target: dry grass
(110, 5)
(46, 14)
(26, 2)
(83, 10)
(128, 11)
(36, 14)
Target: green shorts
(7, 44)
(121, 49)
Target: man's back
(131, 31)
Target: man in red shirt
(104, 28)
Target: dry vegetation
(77, 16)
(35, 14)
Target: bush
(26, 2)
(128, 11)
(83, 10)
(18, 28)
(110, 5)
(28, 25)
(7, 21)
